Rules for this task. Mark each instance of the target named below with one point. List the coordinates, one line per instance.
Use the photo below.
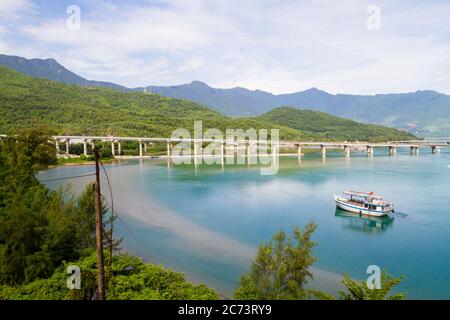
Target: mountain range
(424, 113)
(78, 110)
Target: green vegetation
(358, 290)
(132, 280)
(327, 127)
(280, 270)
(41, 230)
(73, 110)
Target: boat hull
(342, 204)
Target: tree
(39, 228)
(280, 269)
(358, 290)
(21, 158)
(134, 280)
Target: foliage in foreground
(280, 271)
(40, 230)
(281, 268)
(358, 290)
(132, 280)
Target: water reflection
(355, 222)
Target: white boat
(364, 203)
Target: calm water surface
(207, 222)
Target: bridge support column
(119, 148)
(392, 151)
(140, 149)
(275, 149)
(323, 151)
(85, 148)
(67, 147)
(169, 149)
(197, 149)
(253, 153)
(370, 151)
(347, 151)
(415, 151)
(57, 146)
(113, 148)
(299, 150)
(435, 149)
(92, 146)
(197, 152)
(145, 148)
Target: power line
(71, 177)
(135, 237)
(111, 220)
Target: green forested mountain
(424, 113)
(74, 110)
(329, 127)
(50, 69)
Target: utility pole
(99, 230)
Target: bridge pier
(140, 149)
(92, 145)
(119, 148)
(113, 148)
(197, 149)
(275, 148)
(435, 149)
(169, 149)
(85, 147)
(299, 150)
(323, 151)
(347, 150)
(370, 151)
(415, 151)
(57, 146)
(67, 146)
(222, 150)
(392, 151)
(197, 152)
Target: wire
(136, 239)
(71, 177)
(112, 211)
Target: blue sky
(277, 46)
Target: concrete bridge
(250, 146)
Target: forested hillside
(330, 127)
(74, 110)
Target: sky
(348, 46)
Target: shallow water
(207, 222)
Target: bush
(132, 280)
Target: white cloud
(279, 46)
(9, 9)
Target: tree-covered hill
(329, 127)
(74, 110)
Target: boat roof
(362, 194)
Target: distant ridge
(424, 113)
(52, 70)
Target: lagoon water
(208, 221)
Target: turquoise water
(208, 221)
